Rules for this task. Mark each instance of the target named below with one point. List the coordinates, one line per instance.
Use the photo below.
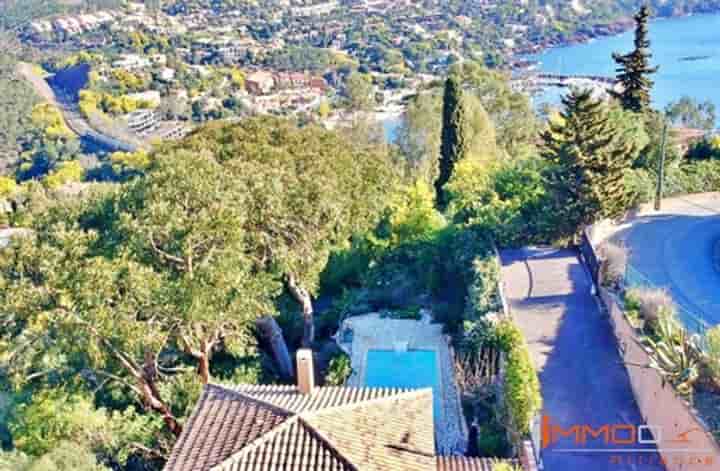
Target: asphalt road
(582, 377)
(674, 249)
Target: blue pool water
(411, 369)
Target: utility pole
(661, 167)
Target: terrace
(402, 353)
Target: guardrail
(590, 258)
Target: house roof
(334, 428)
(463, 463)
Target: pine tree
(589, 158)
(454, 142)
(634, 68)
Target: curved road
(674, 249)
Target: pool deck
(371, 332)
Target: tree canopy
(178, 264)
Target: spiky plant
(676, 354)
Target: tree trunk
(152, 401)
(302, 296)
(151, 396)
(270, 330)
(204, 362)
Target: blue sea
(672, 40)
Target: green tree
(419, 136)
(309, 190)
(510, 111)
(453, 141)
(324, 109)
(67, 455)
(689, 113)
(588, 157)
(359, 90)
(159, 268)
(634, 68)
(185, 219)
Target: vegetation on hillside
(213, 258)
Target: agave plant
(676, 354)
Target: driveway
(673, 249)
(582, 378)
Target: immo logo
(608, 434)
(625, 444)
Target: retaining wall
(669, 414)
(684, 441)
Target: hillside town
(189, 62)
(359, 235)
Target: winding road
(675, 248)
(74, 120)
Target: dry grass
(652, 304)
(614, 264)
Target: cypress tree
(634, 68)
(454, 142)
(589, 158)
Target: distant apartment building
(259, 83)
(146, 124)
(141, 121)
(234, 51)
(73, 24)
(131, 62)
(150, 96)
(315, 10)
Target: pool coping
(373, 332)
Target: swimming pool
(411, 369)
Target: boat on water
(695, 58)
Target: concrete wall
(659, 405)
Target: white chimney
(305, 371)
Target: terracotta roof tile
(394, 433)
(223, 423)
(335, 429)
(463, 463)
(292, 446)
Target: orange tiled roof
(335, 429)
(462, 463)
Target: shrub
(483, 293)
(412, 216)
(66, 456)
(694, 177)
(712, 355)
(339, 370)
(652, 305)
(521, 384)
(614, 263)
(505, 466)
(410, 313)
(491, 440)
(51, 418)
(508, 201)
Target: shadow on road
(582, 378)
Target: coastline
(594, 32)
